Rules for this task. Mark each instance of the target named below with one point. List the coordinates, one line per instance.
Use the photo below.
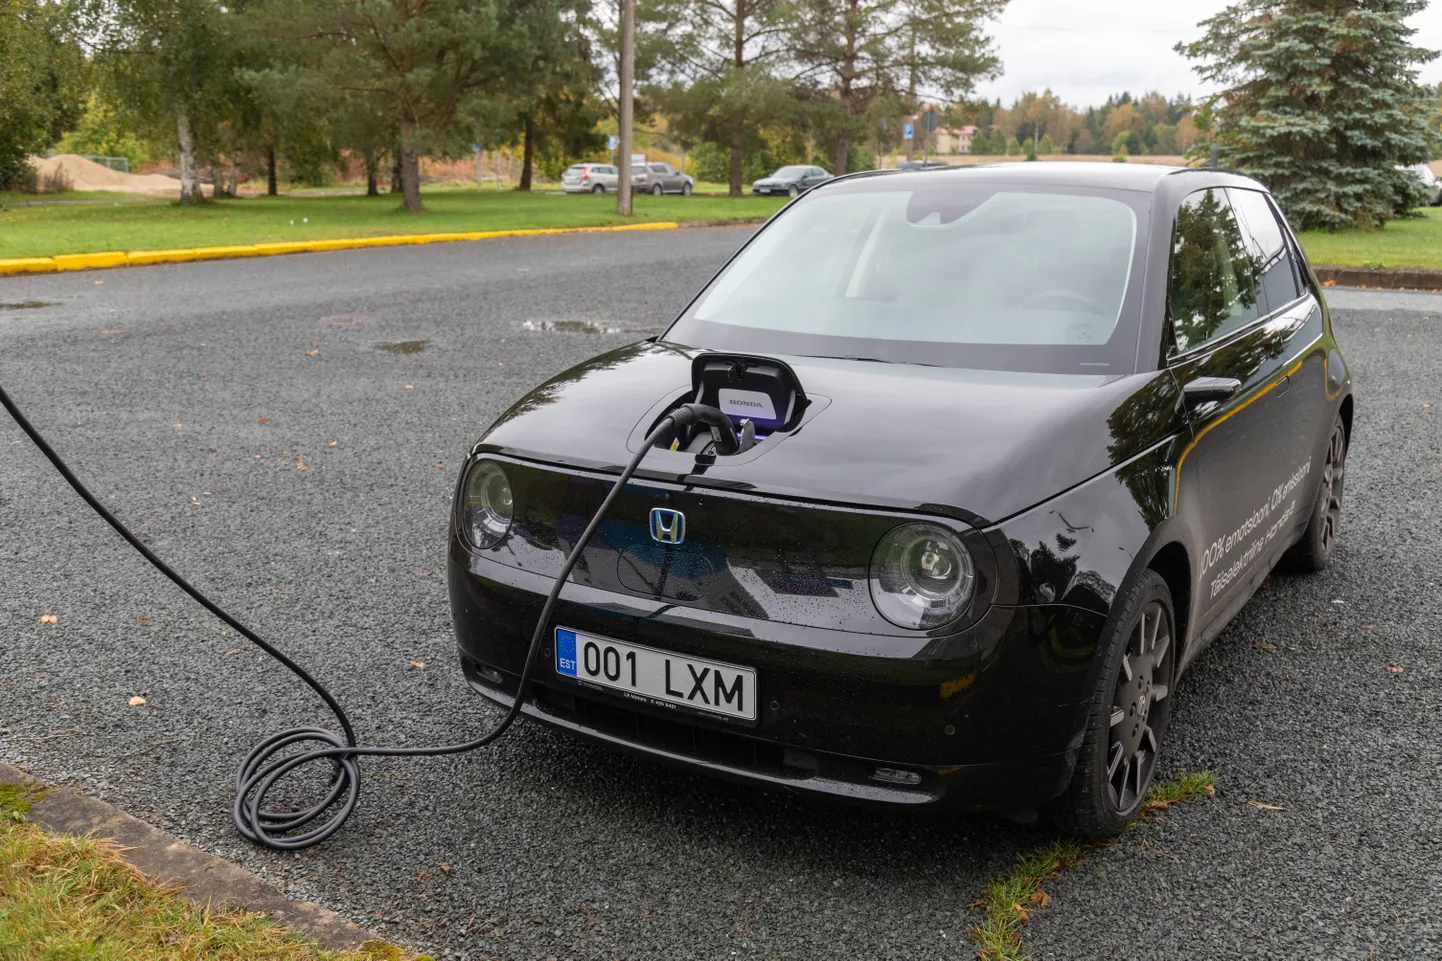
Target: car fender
(1087, 546)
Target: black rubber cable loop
(267, 763)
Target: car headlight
(486, 506)
(922, 576)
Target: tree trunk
(410, 167)
(373, 163)
(272, 189)
(528, 147)
(190, 192)
(396, 169)
(738, 147)
(738, 130)
(843, 150)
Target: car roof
(1111, 176)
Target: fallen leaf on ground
(418, 663)
(48, 618)
(1329, 283)
(332, 443)
(1041, 897)
(1265, 645)
(177, 426)
(300, 463)
(1396, 670)
(445, 867)
(311, 353)
(1266, 807)
(234, 650)
(410, 386)
(263, 420)
(144, 620)
(136, 701)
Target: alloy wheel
(1138, 711)
(1330, 502)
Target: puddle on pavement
(580, 327)
(404, 346)
(29, 304)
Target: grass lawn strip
(63, 896)
(162, 225)
(1008, 901)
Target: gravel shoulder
(191, 396)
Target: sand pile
(89, 175)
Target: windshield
(959, 275)
(788, 172)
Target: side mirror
(1205, 390)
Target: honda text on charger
(1010, 445)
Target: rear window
(958, 275)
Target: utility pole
(628, 82)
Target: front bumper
(987, 719)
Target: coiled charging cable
(266, 763)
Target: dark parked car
(658, 179)
(1011, 446)
(922, 165)
(792, 180)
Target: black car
(792, 181)
(1013, 444)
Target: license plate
(657, 677)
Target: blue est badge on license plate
(566, 652)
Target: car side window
(1269, 244)
(1214, 282)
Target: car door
(1231, 358)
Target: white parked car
(1429, 180)
(590, 178)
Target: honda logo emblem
(667, 526)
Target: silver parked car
(590, 178)
(658, 179)
(1429, 180)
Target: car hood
(981, 444)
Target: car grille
(702, 744)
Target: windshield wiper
(870, 360)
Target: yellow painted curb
(27, 265)
(110, 258)
(137, 258)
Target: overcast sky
(1086, 51)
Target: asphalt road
(192, 396)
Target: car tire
(685, 190)
(1313, 552)
(656, 191)
(1127, 717)
(598, 189)
(794, 192)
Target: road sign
(883, 123)
(929, 121)
(611, 142)
(907, 132)
(475, 148)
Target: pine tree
(1321, 103)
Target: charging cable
(266, 763)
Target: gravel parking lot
(287, 432)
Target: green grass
(161, 224)
(68, 897)
(1402, 243)
(1008, 901)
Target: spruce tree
(1321, 103)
